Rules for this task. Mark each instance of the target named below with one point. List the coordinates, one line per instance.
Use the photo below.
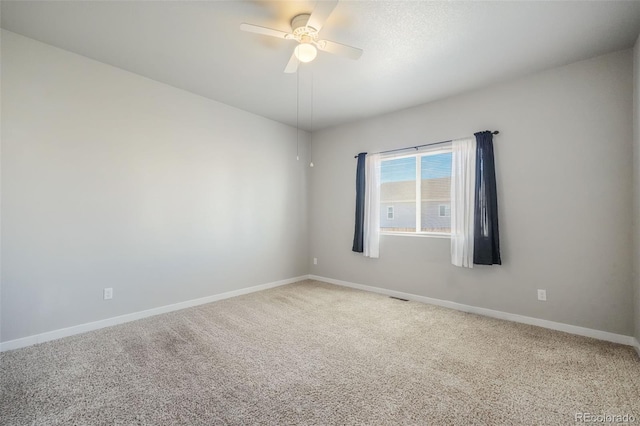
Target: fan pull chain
(298, 115)
(311, 126)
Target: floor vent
(399, 298)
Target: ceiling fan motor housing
(303, 33)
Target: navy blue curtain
(486, 247)
(358, 236)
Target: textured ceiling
(414, 52)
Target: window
(415, 193)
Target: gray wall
(636, 183)
(110, 179)
(564, 169)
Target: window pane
(436, 193)
(398, 190)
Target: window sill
(417, 234)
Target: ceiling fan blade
(339, 49)
(265, 31)
(292, 66)
(321, 13)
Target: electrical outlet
(542, 295)
(108, 293)
(315, 260)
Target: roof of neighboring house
(432, 190)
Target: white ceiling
(414, 51)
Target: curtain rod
(495, 132)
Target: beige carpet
(313, 353)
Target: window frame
(445, 210)
(418, 156)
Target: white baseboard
(83, 328)
(95, 325)
(567, 328)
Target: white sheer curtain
(463, 182)
(372, 206)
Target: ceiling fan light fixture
(305, 52)
(304, 29)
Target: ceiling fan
(304, 30)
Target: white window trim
(424, 153)
(417, 234)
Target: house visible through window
(390, 212)
(415, 193)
